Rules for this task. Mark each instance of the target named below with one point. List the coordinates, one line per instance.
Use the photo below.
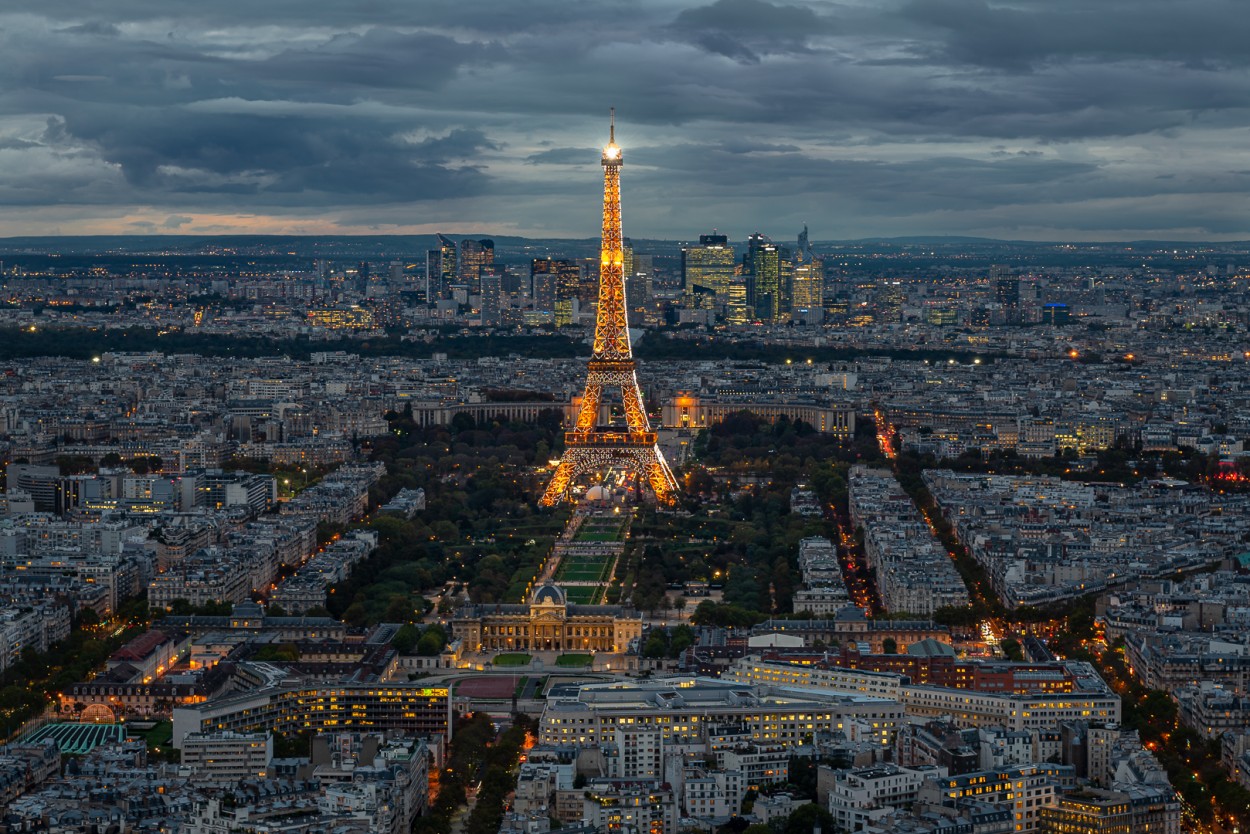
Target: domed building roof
(549, 594)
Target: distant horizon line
(918, 238)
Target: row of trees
(478, 524)
(1192, 762)
(742, 534)
(427, 641)
(1122, 463)
(711, 348)
(70, 464)
(17, 343)
(668, 642)
(476, 756)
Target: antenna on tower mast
(611, 124)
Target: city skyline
(1030, 122)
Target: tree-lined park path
(584, 560)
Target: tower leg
(588, 414)
(647, 463)
(660, 478)
(561, 480)
(635, 413)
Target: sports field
(584, 568)
(584, 594)
(597, 530)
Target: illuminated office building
(709, 266)
(411, 707)
(350, 318)
(768, 270)
(738, 309)
(1006, 293)
(808, 291)
(555, 285)
(692, 710)
(492, 296)
(476, 257)
(807, 284)
(440, 269)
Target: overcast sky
(1034, 119)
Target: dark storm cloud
(931, 183)
(266, 157)
(1206, 33)
(745, 29)
(862, 116)
(378, 58)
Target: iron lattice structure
(590, 447)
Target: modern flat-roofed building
(690, 710)
(420, 710)
(1087, 699)
(227, 756)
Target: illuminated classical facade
(547, 623)
(589, 448)
(690, 411)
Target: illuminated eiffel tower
(589, 447)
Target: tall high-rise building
(440, 269)
(492, 296)
(808, 292)
(475, 257)
(543, 284)
(588, 283)
(569, 279)
(555, 287)
(447, 247)
(768, 270)
(738, 310)
(1006, 292)
(807, 284)
(804, 252)
(433, 275)
(643, 275)
(641, 283)
(709, 267)
(627, 255)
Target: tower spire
(611, 125)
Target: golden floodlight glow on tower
(588, 447)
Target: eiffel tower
(590, 447)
